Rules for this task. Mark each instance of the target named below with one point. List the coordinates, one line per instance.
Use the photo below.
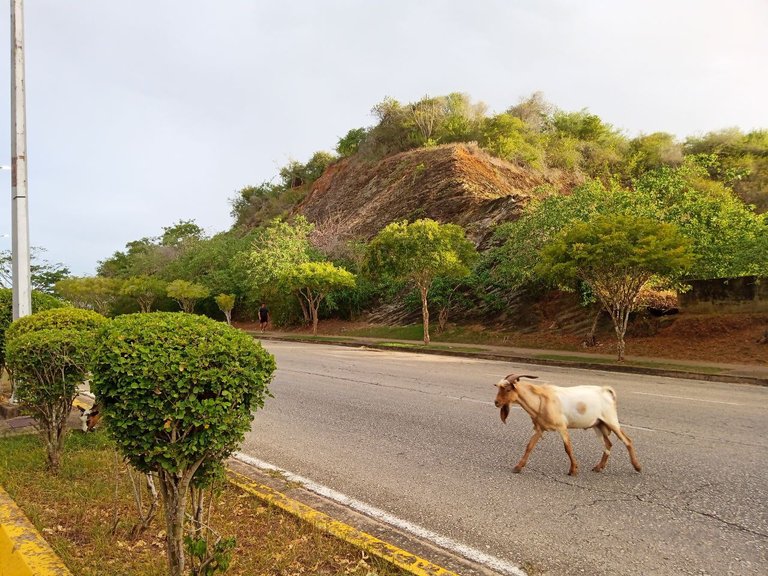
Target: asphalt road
(418, 436)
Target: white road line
(638, 428)
(468, 552)
(465, 399)
(687, 398)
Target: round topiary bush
(40, 301)
(178, 391)
(57, 319)
(49, 356)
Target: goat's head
(90, 417)
(507, 393)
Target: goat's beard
(504, 412)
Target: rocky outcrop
(457, 183)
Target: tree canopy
(616, 256)
(419, 252)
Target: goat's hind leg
(528, 449)
(603, 432)
(616, 429)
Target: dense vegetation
(712, 188)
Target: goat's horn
(527, 376)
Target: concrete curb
(586, 365)
(23, 550)
(372, 545)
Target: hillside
(458, 183)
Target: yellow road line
(371, 544)
(23, 551)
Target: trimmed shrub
(40, 302)
(179, 392)
(75, 319)
(49, 356)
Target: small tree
(186, 294)
(179, 391)
(419, 253)
(616, 256)
(40, 302)
(49, 355)
(313, 281)
(226, 302)
(144, 289)
(92, 293)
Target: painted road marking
(468, 552)
(687, 398)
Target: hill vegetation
(515, 181)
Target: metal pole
(22, 292)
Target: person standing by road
(263, 316)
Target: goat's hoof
(597, 469)
(517, 469)
(638, 468)
(573, 472)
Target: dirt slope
(456, 183)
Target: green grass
(87, 513)
(431, 346)
(409, 332)
(644, 364)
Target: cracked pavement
(418, 436)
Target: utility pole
(22, 292)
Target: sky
(141, 113)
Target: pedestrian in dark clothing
(263, 317)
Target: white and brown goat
(558, 408)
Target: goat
(558, 408)
(90, 417)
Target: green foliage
(296, 174)
(726, 234)
(186, 293)
(518, 244)
(150, 256)
(60, 318)
(275, 250)
(94, 293)
(49, 354)
(226, 302)
(616, 256)
(179, 392)
(43, 274)
(419, 253)
(742, 162)
(350, 142)
(144, 289)
(313, 281)
(40, 302)
(178, 389)
(184, 231)
(207, 560)
(650, 152)
(508, 137)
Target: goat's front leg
(603, 432)
(574, 469)
(537, 432)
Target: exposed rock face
(457, 183)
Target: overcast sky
(144, 112)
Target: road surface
(418, 436)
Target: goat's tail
(612, 392)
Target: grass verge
(87, 512)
